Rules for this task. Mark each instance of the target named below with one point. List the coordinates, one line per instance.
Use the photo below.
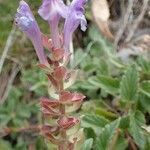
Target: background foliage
(116, 112)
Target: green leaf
(4, 145)
(137, 120)
(105, 137)
(40, 143)
(145, 88)
(94, 121)
(23, 111)
(144, 64)
(88, 144)
(145, 102)
(107, 83)
(129, 84)
(21, 144)
(36, 80)
(121, 143)
(89, 133)
(124, 122)
(103, 67)
(94, 34)
(79, 56)
(104, 112)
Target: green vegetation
(116, 112)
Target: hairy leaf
(94, 121)
(106, 135)
(145, 102)
(109, 84)
(137, 120)
(144, 64)
(145, 88)
(88, 144)
(129, 84)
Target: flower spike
(61, 127)
(75, 17)
(27, 23)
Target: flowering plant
(63, 129)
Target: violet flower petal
(51, 8)
(75, 17)
(52, 11)
(27, 23)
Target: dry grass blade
(137, 21)
(3, 83)
(9, 43)
(101, 15)
(124, 23)
(14, 71)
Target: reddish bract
(68, 97)
(67, 122)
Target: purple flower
(75, 17)
(27, 23)
(52, 11)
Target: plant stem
(114, 141)
(131, 142)
(64, 143)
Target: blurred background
(114, 73)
